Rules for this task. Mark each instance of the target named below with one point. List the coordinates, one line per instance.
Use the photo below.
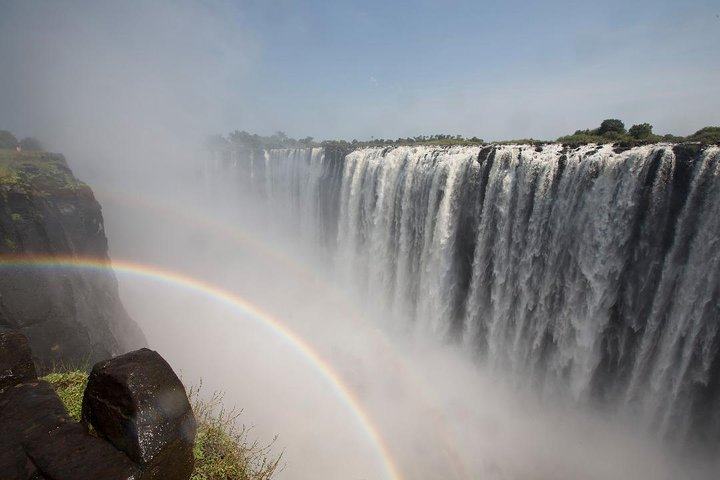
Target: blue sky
(496, 69)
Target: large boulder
(16, 363)
(39, 440)
(137, 403)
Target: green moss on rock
(37, 171)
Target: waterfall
(587, 270)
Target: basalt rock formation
(138, 408)
(70, 315)
(138, 404)
(16, 364)
(39, 440)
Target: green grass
(70, 387)
(40, 171)
(222, 449)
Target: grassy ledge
(40, 171)
(222, 449)
(70, 387)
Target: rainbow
(191, 215)
(241, 305)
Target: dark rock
(137, 403)
(621, 147)
(687, 153)
(39, 440)
(14, 463)
(484, 153)
(16, 364)
(69, 315)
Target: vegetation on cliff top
(10, 141)
(41, 172)
(611, 130)
(25, 165)
(222, 449)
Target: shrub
(613, 136)
(611, 125)
(7, 139)
(706, 135)
(222, 450)
(640, 131)
(31, 143)
(582, 139)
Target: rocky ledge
(137, 421)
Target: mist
(128, 92)
(439, 413)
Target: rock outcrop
(135, 403)
(138, 404)
(69, 315)
(16, 364)
(39, 438)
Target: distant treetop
(611, 130)
(7, 139)
(10, 141)
(243, 139)
(706, 135)
(31, 143)
(611, 125)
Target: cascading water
(589, 271)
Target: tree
(7, 139)
(706, 135)
(31, 143)
(242, 137)
(611, 125)
(640, 131)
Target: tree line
(611, 130)
(245, 140)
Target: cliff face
(69, 315)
